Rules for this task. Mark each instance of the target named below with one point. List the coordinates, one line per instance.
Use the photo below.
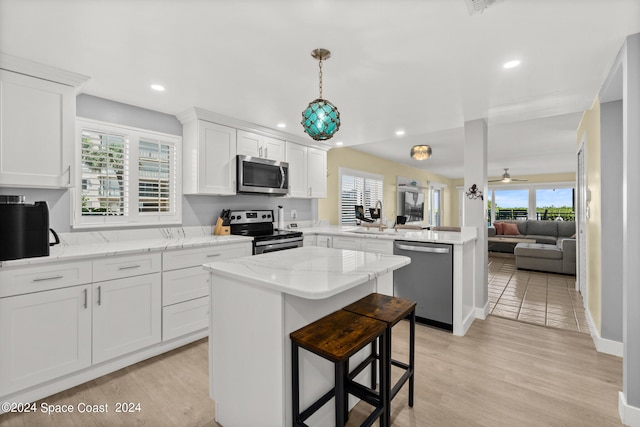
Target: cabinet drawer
(36, 278)
(125, 266)
(183, 285)
(346, 243)
(186, 317)
(378, 246)
(184, 258)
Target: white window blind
(128, 176)
(358, 188)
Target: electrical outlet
(294, 214)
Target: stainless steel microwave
(262, 176)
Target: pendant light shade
(321, 119)
(421, 152)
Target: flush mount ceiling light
(157, 87)
(511, 64)
(321, 119)
(420, 152)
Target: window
(511, 204)
(434, 212)
(358, 188)
(555, 204)
(128, 176)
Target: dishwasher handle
(428, 249)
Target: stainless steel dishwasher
(428, 280)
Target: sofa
(554, 249)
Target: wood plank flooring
(502, 373)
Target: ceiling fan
(506, 177)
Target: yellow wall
(590, 128)
(357, 160)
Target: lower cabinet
(126, 315)
(379, 246)
(44, 335)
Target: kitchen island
(256, 302)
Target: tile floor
(534, 297)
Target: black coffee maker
(24, 229)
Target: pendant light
(421, 152)
(321, 119)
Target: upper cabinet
(307, 171)
(264, 147)
(208, 158)
(37, 112)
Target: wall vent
(478, 6)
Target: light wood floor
(502, 373)
(535, 297)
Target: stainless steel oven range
(259, 225)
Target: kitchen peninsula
(256, 302)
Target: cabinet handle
(85, 298)
(328, 243)
(212, 255)
(99, 295)
(129, 267)
(310, 190)
(260, 152)
(42, 279)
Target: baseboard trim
(603, 345)
(629, 415)
(482, 312)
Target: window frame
(359, 174)
(134, 217)
(533, 187)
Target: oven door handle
(276, 247)
(275, 242)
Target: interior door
(582, 215)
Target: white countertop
(309, 272)
(80, 245)
(467, 234)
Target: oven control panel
(251, 217)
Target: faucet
(380, 225)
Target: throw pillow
(573, 236)
(499, 229)
(510, 229)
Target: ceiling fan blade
(518, 179)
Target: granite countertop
(467, 234)
(309, 272)
(81, 245)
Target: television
(413, 206)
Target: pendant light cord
(320, 65)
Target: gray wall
(611, 180)
(196, 210)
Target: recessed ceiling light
(282, 125)
(339, 143)
(399, 132)
(511, 64)
(157, 87)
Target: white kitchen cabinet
(264, 147)
(317, 172)
(44, 335)
(378, 246)
(38, 132)
(126, 315)
(340, 242)
(208, 158)
(307, 171)
(324, 241)
(309, 240)
(185, 286)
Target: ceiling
(424, 67)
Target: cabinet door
(273, 149)
(317, 172)
(309, 241)
(37, 132)
(378, 246)
(44, 335)
(249, 144)
(126, 315)
(217, 159)
(324, 241)
(297, 159)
